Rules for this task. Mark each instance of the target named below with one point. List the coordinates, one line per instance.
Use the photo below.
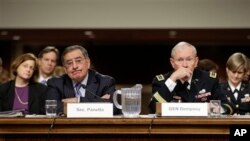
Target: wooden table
(117, 128)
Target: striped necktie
(77, 88)
(44, 82)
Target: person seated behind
(237, 90)
(23, 92)
(47, 61)
(5, 76)
(185, 83)
(208, 65)
(80, 83)
(59, 71)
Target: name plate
(85, 110)
(184, 109)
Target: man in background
(47, 61)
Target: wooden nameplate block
(182, 109)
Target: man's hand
(181, 74)
(70, 100)
(106, 96)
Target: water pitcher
(130, 99)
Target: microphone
(96, 98)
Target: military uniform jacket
(97, 86)
(203, 88)
(239, 105)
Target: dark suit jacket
(201, 81)
(240, 107)
(97, 86)
(36, 97)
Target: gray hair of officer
(237, 61)
(182, 45)
(74, 47)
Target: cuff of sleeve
(170, 84)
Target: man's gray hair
(181, 45)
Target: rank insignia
(213, 74)
(160, 77)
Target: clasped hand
(181, 74)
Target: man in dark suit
(185, 83)
(80, 83)
(47, 61)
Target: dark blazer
(36, 97)
(201, 81)
(240, 107)
(97, 86)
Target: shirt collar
(233, 88)
(84, 81)
(41, 78)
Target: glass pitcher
(130, 99)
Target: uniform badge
(160, 77)
(203, 95)
(246, 98)
(242, 89)
(213, 74)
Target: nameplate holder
(184, 109)
(89, 110)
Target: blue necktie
(77, 87)
(44, 82)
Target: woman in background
(236, 90)
(23, 93)
(5, 76)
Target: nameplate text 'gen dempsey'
(184, 109)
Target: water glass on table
(51, 108)
(215, 106)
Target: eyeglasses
(181, 60)
(70, 63)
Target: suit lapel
(242, 92)
(92, 86)
(11, 93)
(68, 88)
(229, 93)
(196, 85)
(31, 92)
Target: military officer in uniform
(185, 83)
(237, 90)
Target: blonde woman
(236, 90)
(23, 93)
